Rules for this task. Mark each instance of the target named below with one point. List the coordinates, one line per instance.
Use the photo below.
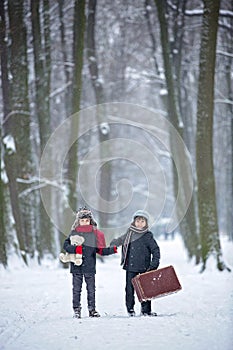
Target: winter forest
(117, 105)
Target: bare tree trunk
(176, 46)
(210, 242)
(67, 70)
(3, 240)
(5, 92)
(191, 239)
(18, 160)
(3, 234)
(151, 34)
(105, 171)
(229, 170)
(188, 224)
(42, 67)
(78, 45)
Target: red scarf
(100, 239)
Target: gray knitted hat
(141, 213)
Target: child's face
(84, 221)
(140, 222)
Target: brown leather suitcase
(156, 283)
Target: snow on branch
(225, 100)
(199, 12)
(59, 90)
(224, 53)
(40, 183)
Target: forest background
(143, 91)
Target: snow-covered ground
(36, 310)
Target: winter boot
(77, 312)
(93, 313)
(131, 313)
(149, 313)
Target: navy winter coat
(143, 252)
(90, 248)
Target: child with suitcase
(93, 242)
(140, 253)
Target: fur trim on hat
(83, 212)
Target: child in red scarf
(94, 242)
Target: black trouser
(77, 289)
(129, 294)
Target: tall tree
(188, 224)
(42, 66)
(78, 48)
(3, 241)
(64, 52)
(210, 242)
(228, 60)
(103, 129)
(5, 90)
(18, 161)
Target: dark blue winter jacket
(89, 250)
(143, 252)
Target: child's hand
(115, 248)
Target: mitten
(78, 255)
(79, 249)
(115, 248)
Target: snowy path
(36, 311)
